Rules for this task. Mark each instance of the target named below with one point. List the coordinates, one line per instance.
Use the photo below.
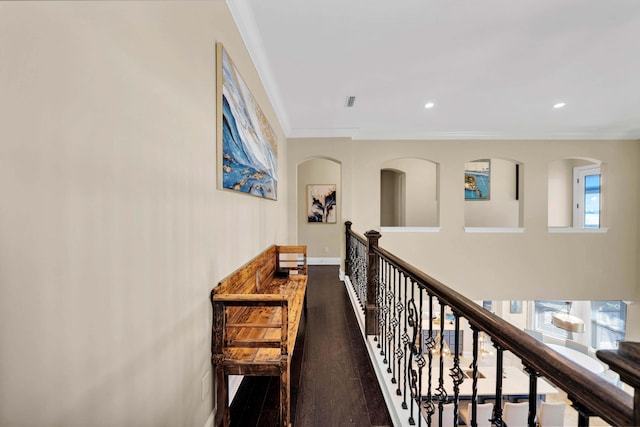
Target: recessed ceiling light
(349, 101)
(429, 105)
(559, 105)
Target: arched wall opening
(493, 191)
(316, 178)
(409, 193)
(392, 198)
(563, 191)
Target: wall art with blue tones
(247, 145)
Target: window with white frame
(586, 196)
(608, 323)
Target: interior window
(542, 319)
(608, 323)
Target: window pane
(542, 318)
(608, 320)
(592, 201)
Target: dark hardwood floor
(333, 382)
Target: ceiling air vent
(350, 101)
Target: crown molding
(246, 24)
(394, 135)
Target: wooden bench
(256, 314)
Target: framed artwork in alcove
(321, 203)
(477, 180)
(246, 143)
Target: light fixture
(563, 319)
(446, 351)
(559, 105)
(429, 105)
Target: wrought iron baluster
(474, 387)
(430, 344)
(419, 356)
(399, 352)
(583, 413)
(497, 408)
(379, 300)
(456, 373)
(533, 395)
(390, 315)
(364, 256)
(412, 373)
(385, 311)
(441, 393)
(405, 341)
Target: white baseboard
(354, 303)
(399, 416)
(323, 261)
(341, 275)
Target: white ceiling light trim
(429, 105)
(559, 105)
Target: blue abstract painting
(477, 180)
(247, 145)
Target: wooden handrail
(583, 387)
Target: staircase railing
(399, 303)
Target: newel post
(370, 324)
(347, 253)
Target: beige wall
(112, 230)
(529, 265)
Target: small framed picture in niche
(321, 203)
(477, 180)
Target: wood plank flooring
(333, 382)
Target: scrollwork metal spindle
(441, 393)
(398, 318)
(420, 357)
(430, 344)
(405, 341)
(474, 386)
(412, 321)
(362, 275)
(456, 373)
(385, 312)
(379, 303)
(391, 314)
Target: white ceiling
(493, 68)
